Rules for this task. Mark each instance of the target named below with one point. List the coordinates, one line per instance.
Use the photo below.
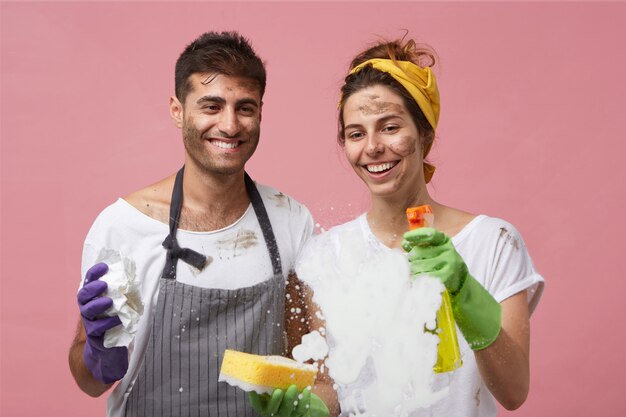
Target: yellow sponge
(264, 373)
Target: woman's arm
(497, 332)
(504, 365)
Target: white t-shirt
(240, 257)
(496, 256)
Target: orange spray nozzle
(420, 216)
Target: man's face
(220, 119)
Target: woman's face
(382, 142)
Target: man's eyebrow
(247, 101)
(221, 100)
(212, 99)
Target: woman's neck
(387, 216)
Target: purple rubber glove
(107, 365)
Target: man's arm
(295, 310)
(82, 375)
(323, 383)
(299, 305)
(94, 366)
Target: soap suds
(379, 355)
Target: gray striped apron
(192, 327)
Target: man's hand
(476, 312)
(289, 403)
(106, 364)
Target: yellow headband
(421, 85)
(419, 82)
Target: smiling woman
(381, 141)
(388, 114)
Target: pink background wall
(532, 130)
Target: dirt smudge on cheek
(404, 146)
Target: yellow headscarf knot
(429, 171)
(421, 84)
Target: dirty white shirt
(238, 256)
(496, 256)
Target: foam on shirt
(379, 354)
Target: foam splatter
(379, 355)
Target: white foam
(246, 386)
(281, 360)
(379, 355)
(313, 346)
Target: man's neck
(212, 201)
(209, 202)
(203, 190)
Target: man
(216, 278)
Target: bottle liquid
(448, 353)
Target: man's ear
(260, 111)
(176, 112)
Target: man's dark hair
(226, 53)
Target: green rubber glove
(289, 403)
(476, 312)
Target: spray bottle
(448, 354)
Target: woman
(388, 115)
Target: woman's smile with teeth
(380, 167)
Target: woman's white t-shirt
(496, 256)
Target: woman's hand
(476, 312)
(431, 252)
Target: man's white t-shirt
(238, 257)
(496, 256)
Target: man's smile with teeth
(225, 145)
(381, 167)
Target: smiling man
(212, 251)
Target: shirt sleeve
(512, 270)
(302, 225)
(97, 238)
(88, 260)
(307, 231)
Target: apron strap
(174, 251)
(266, 226)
